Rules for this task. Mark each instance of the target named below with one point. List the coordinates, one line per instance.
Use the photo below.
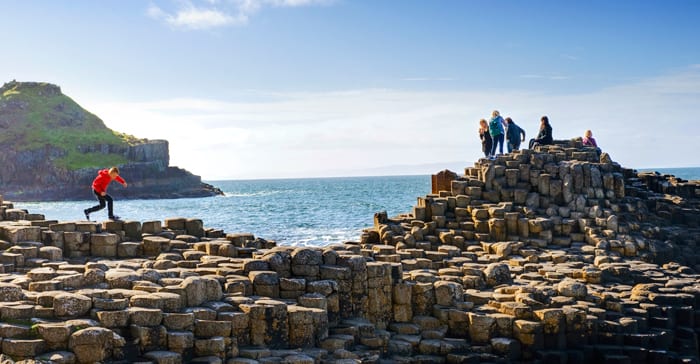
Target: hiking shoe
(87, 215)
(115, 217)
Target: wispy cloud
(569, 57)
(643, 123)
(428, 79)
(545, 77)
(210, 14)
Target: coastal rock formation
(552, 255)
(52, 149)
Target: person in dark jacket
(544, 137)
(514, 135)
(485, 136)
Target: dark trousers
(102, 200)
(533, 143)
(512, 147)
(497, 144)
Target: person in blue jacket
(514, 135)
(496, 129)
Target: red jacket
(103, 179)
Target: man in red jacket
(99, 187)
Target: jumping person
(99, 188)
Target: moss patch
(38, 115)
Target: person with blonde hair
(99, 188)
(496, 129)
(485, 136)
(588, 139)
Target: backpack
(495, 127)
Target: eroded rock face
(547, 255)
(144, 163)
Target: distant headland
(52, 147)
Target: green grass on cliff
(38, 115)
(75, 160)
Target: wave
(253, 194)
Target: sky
(246, 89)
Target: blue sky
(294, 88)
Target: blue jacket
(513, 133)
(496, 126)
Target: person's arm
(121, 180)
(522, 132)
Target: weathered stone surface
(497, 274)
(92, 344)
(10, 292)
(69, 305)
(571, 288)
(201, 289)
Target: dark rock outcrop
(51, 149)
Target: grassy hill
(38, 115)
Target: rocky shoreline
(552, 255)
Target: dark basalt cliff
(51, 149)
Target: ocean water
(692, 173)
(310, 211)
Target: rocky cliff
(51, 149)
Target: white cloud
(644, 124)
(215, 13)
(196, 18)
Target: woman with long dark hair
(544, 137)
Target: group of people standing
(498, 131)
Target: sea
(300, 212)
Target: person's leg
(510, 147)
(500, 142)
(110, 206)
(494, 144)
(531, 144)
(99, 207)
